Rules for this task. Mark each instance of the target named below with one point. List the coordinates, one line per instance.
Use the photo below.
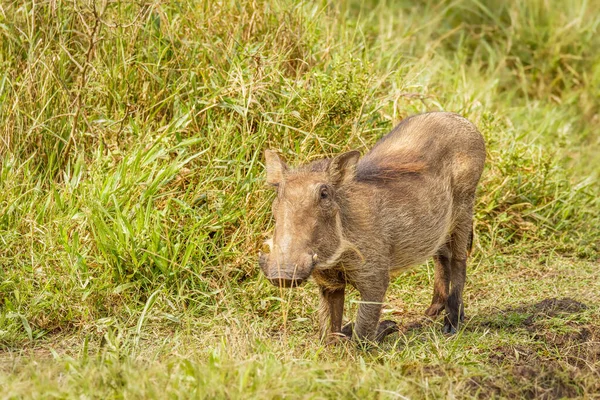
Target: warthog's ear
(275, 167)
(342, 167)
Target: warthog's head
(308, 229)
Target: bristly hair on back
(372, 171)
(382, 171)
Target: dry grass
(132, 196)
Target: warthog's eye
(324, 193)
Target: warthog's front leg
(332, 310)
(367, 326)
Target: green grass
(133, 203)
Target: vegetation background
(132, 196)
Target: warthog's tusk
(315, 258)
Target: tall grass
(131, 138)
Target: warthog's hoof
(435, 309)
(450, 328)
(337, 338)
(348, 329)
(384, 329)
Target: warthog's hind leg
(458, 274)
(441, 284)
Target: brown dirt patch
(525, 373)
(529, 373)
(544, 309)
(552, 307)
(562, 360)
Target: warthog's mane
(381, 171)
(371, 169)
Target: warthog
(351, 220)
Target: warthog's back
(421, 176)
(434, 143)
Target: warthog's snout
(285, 282)
(285, 273)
